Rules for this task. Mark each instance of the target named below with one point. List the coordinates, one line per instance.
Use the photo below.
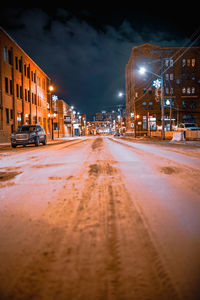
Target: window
(11, 87)
(11, 114)
(188, 90)
(178, 81)
(167, 76)
(166, 62)
(16, 63)
(21, 92)
(171, 62)
(17, 90)
(7, 115)
(25, 70)
(193, 90)
(10, 57)
(28, 72)
(25, 90)
(193, 76)
(20, 65)
(184, 104)
(183, 62)
(6, 85)
(5, 55)
(193, 62)
(188, 62)
(192, 105)
(183, 90)
(183, 76)
(171, 76)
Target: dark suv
(28, 134)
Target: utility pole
(162, 109)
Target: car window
(190, 125)
(26, 128)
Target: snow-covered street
(100, 218)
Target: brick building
(24, 93)
(63, 119)
(179, 68)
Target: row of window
(185, 104)
(185, 90)
(7, 54)
(9, 117)
(185, 76)
(19, 92)
(189, 62)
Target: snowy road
(100, 218)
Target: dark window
(17, 90)
(11, 87)
(6, 84)
(21, 92)
(20, 65)
(7, 115)
(16, 63)
(10, 57)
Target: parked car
(188, 126)
(117, 134)
(28, 134)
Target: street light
(158, 83)
(142, 70)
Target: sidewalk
(49, 142)
(159, 140)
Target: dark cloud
(86, 62)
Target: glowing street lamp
(51, 88)
(142, 70)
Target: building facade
(24, 88)
(179, 70)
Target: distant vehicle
(117, 134)
(28, 134)
(188, 126)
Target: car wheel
(45, 141)
(13, 146)
(37, 142)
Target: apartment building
(179, 70)
(24, 88)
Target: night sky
(85, 51)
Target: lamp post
(120, 109)
(51, 117)
(158, 83)
(51, 88)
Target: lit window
(5, 55)
(183, 90)
(193, 62)
(193, 90)
(188, 90)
